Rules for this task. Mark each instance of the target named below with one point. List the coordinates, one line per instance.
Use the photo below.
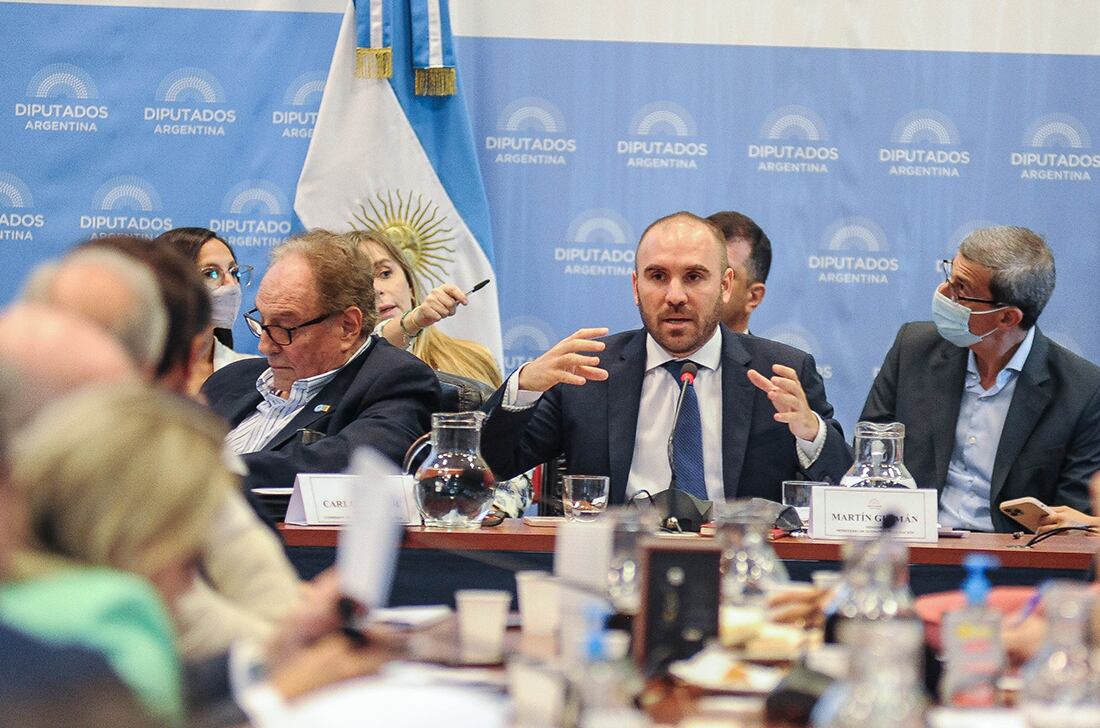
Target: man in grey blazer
(607, 403)
(993, 409)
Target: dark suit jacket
(594, 425)
(383, 399)
(1050, 444)
(32, 667)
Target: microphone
(687, 376)
(680, 511)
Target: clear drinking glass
(796, 494)
(455, 487)
(585, 496)
(750, 570)
(1058, 686)
(883, 689)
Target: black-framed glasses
(281, 335)
(213, 276)
(953, 292)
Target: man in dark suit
(993, 409)
(327, 386)
(607, 403)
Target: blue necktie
(687, 446)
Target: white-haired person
(119, 484)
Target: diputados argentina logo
(662, 136)
(600, 244)
(255, 213)
(18, 220)
(126, 204)
(1057, 150)
(855, 254)
(191, 103)
(298, 114)
(531, 132)
(795, 141)
(924, 143)
(62, 97)
(525, 338)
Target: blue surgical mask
(952, 320)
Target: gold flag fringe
(373, 62)
(435, 81)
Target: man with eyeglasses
(993, 409)
(326, 386)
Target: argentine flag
(383, 157)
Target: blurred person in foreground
(225, 280)
(78, 680)
(323, 373)
(993, 409)
(750, 258)
(408, 322)
(110, 289)
(97, 541)
(247, 583)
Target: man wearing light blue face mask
(993, 409)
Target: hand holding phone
(1026, 511)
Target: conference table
(433, 562)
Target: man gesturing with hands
(607, 402)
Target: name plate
(324, 499)
(841, 513)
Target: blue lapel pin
(322, 408)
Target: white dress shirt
(649, 468)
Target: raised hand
(786, 395)
(440, 303)
(570, 361)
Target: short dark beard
(709, 324)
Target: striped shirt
(273, 413)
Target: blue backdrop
(864, 167)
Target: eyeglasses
(281, 335)
(953, 292)
(213, 276)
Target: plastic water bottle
(973, 652)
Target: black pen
(478, 287)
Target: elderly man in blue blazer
(327, 386)
(755, 414)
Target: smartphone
(1026, 511)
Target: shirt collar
(1015, 365)
(303, 389)
(708, 356)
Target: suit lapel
(624, 395)
(947, 373)
(737, 403)
(1029, 400)
(323, 403)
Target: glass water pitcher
(455, 487)
(879, 457)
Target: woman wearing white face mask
(224, 278)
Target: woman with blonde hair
(119, 484)
(408, 322)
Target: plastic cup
(539, 602)
(482, 618)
